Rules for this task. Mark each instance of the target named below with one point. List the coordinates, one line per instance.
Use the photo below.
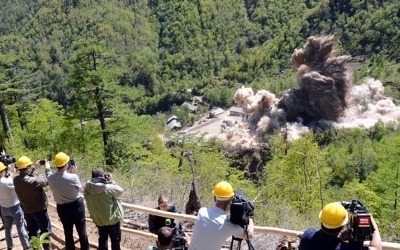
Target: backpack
(241, 209)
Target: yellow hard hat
(23, 162)
(61, 159)
(223, 190)
(2, 167)
(333, 215)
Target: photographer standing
(66, 189)
(11, 209)
(33, 199)
(7, 160)
(334, 218)
(101, 194)
(212, 227)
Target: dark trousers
(37, 224)
(2, 221)
(114, 231)
(71, 214)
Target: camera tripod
(239, 241)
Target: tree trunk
(21, 122)
(100, 112)
(4, 119)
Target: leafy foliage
(37, 242)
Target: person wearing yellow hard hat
(29, 186)
(66, 188)
(212, 227)
(11, 210)
(333, 218)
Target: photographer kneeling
(167, 239)
(334, 222)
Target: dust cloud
(325, 96)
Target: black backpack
(241, 209)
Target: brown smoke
(325, 97)
(323, 81)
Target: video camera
(241, 209)
(179, 241)
(360, 223)
(7, 159)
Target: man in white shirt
(11, 210)
(213, 227)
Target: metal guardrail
(257, 229)
(186, 217)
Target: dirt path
(57, 238)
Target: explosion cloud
(325, 95)
(323, 82)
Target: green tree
(351, 155)
(299, 177)
(45, 127)
(92, 82)
(385, 182)
(15, 78)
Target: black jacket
(156, 222)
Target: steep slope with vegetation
(98, 78)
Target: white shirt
(212, 229)
(8, 197)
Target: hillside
(154, 50)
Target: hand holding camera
(45, 163)
(108, 177)
(71, 168)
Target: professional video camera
(7, 159)
(360, 224)
(179, 241)
(241, 209)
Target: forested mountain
(162, 48)
(97, 79)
